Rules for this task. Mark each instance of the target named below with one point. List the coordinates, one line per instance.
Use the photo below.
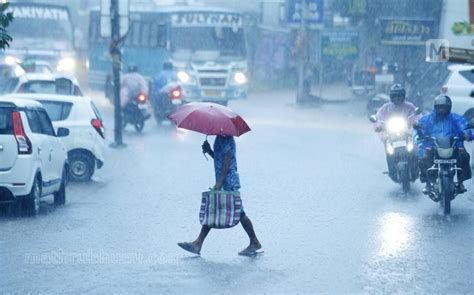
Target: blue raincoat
(451, 126)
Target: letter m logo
(437, 50)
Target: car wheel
(33, 199)
(60, 196)
(81, 166)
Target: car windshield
(57, 110)
(59, 86)
(44, 29)
(5, 121)
(226, 42)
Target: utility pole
(300, 95)
(116, 65)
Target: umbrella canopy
(209, 118)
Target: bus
(41, 32)
(206, 45)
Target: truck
(205, 44)
(457, 27)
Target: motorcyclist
(160, 99)
(133, 84)
(398, 106)
(168, 74)
(441, 122)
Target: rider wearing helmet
(441, 122)
(166, 75)
(398, 106)
(132, 85)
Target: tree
(5, 20)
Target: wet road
(328, 219)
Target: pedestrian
(227, 178)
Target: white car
(47, 83)
(33, 160)
(459, 86)
(86, 141)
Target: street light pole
(300, 95)
(116, 65)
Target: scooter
(136, 112)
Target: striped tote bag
(220, 209)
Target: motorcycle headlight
(410, 147)
(66, 64)
(390, 149)
(240, 78)
(396, 125)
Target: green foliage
(5, 20)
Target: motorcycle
(442, 175)
(399, 146)
(135, 112)
(168, 98)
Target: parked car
(86, 141)
(47, 83)
(459, 85)
(33, 160)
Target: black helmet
(397, 94)
(167, 65)
(132, 68)
(442, 105)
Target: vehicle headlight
(19, 71)
(240, 78)
(396, 125)
(390, 149)
(410, 146)
(66, 64)
(183, 77)
(11, 60)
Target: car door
(41, 145)
(55, 148)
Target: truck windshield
(186, 41)
(41, 27)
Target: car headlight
(19, 71)
(397, 125)
(183, 77)
(66, 64)
(11, 60)
(240, 78)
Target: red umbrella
(209, 118)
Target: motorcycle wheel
(405, 178)
(446, 194)
(139, 126)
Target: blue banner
(314, 12)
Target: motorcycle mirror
(373, 119)
(418, 111)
